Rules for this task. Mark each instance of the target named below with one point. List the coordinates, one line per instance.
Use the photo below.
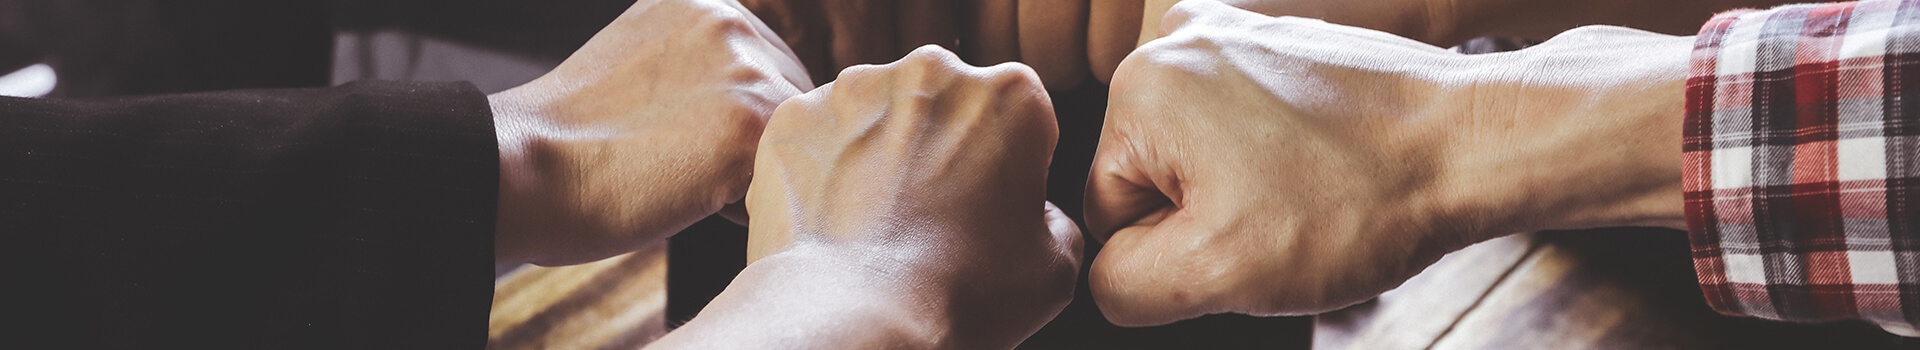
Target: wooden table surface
(617, 303)
(1610, 289)
(1628, 288)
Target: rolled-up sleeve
(1802, 162)
(358, 216)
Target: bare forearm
(811, 300)
(1450, 22)
(1582, 131)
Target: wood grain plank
(1625, 288)
(617, 303)
(1426, 306)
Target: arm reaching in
(648, 128)
(903, 207)
(1286, 166)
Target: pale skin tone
(1287, 166)
(900, 207)
(648, 128)
(1239, 152)
(1395, 152)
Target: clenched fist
(649, 127)
(1286, 166)
(901, 207)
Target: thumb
(1156, 267)
(1120, 192)
(1066, 235)
(1113, 30)
(1156, 274)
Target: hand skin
(1287, 166)
(649, 127)
(900, 207)
(830, 35)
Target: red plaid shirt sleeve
(1802, 162)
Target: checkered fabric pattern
(1802, 163)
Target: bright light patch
(33, 81)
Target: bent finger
(1053, 39)
(1120, 190)
(990, 32)
(1158, 274)
(925, 22)
(1066, 234)
(1113, 30)
(863, 32)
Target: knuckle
(721, 22)
(1187, 14)
(1178, 15)
(859, 79)
(1017, 97)
(930, 64)
(1034, 115)
(1013, 78)
(1179, 57)
(859, 73)
(747, 74)
(931, 56)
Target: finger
(1207, 12)
(1157, 274)
(925, 22)
(1066, 234)
(863, 32)
(1153, 269)
(990, 34)
(1120, 193)
(1150, 17)
(1113, 30)
(791, 67)
(801, 26)
(1053, 40)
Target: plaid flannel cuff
(1801, 162)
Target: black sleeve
(356, 217)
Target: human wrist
(1582, 131)
(804, 288)
(517, 132)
